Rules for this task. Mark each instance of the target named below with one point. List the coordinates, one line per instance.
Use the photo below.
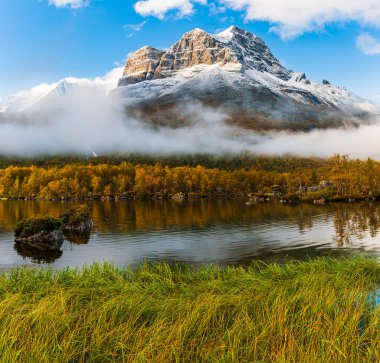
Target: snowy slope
(43, 94)
(25, 99)
(234, 69)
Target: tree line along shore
(338, 178)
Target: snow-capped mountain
(234, 70)
(25, 100)
(44, 95)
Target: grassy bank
(301, 312)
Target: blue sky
(46, 40)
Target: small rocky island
(42, 232)
(46, 233)
(77, 219)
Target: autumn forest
(336, 178)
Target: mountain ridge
(237, 71)
(198, 47)
(233, 72)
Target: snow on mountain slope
(234, 69)
(24, 99)
(43, 94)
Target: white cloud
(294, 17)
(84, 119)
(26, 98)
(159, 8)
(368, 44)
(289, 18)
(135, 27)
(74, 4)
(131, 29)
(109, 81)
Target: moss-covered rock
(77, 219)
(42, 232)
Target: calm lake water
(199, 232)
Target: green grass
(298, 312)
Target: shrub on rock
(77, 219)
(42, 232)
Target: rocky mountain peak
(195, 32)
(236, 70)
(252, 52)
(197, 47)
(141, 65)
(233, 32)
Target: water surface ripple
(198, 232)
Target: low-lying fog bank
(86, 120)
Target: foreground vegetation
(316, 311)
(338, 178)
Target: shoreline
(293, 180)
(245, 197)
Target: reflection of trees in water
(130, 216)
(354, 221)
(351, 221)
(305, 219)
(12, 211)
(133, 216)
(307, 215)
(36, 255)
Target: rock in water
(43, 233)
(77, 219)
(82, 227)
(44, 240)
